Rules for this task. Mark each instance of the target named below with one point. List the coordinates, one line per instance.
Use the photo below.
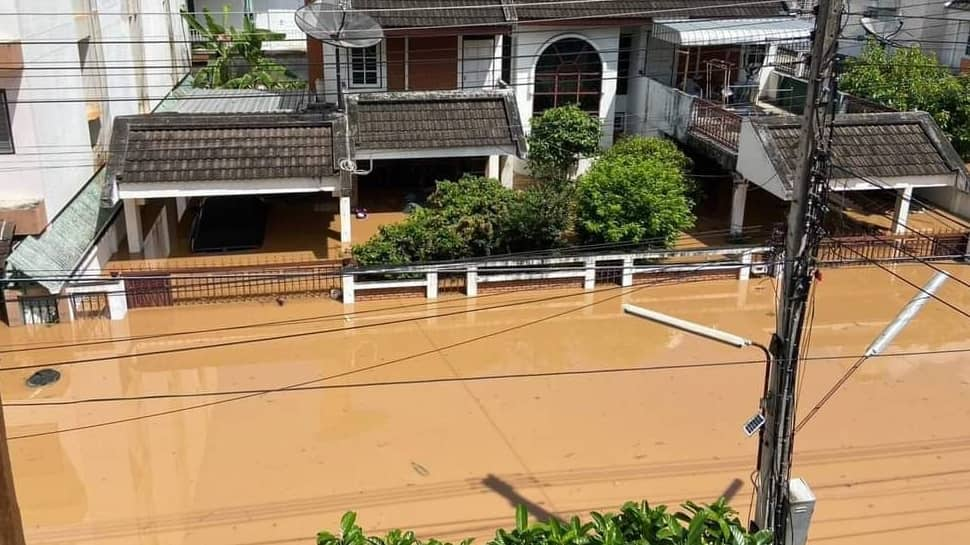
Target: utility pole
(11, 526)
(801, 247)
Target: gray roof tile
(437, 119)
(199, 148)
(879, 145)
(646, 9)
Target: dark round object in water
(43, 378)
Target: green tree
(558, 138)
(909, 79)
(634, 192)
(472, 217)
(237, 59)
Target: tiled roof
(432, 12)
(199, 148)
(880, 145)
(435, 119)
(420, 13)
(67, 239)
(646, 9)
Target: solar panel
(754, 424)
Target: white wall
(49, 97)
(754, 165)
(529, 44)
(952, 199)
(275, 15)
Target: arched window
(569, 71)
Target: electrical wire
(654, 366)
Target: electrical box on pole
(801, 506)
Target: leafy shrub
(472, 217)
(637, 190)
(558, 138)
(635, 524)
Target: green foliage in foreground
(634, 524)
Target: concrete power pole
(11, 526)
(801, 245)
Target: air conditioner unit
(801, 505)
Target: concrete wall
(667, 111)
(952, 199)
(52, 99)
(754, 165)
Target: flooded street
(440, 417)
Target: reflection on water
(276, 468)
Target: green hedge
(634, 524)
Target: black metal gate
(39, 310)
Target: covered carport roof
(164, 155)
(898, 148)
(434, 124)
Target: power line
(432, 351)
(656, 366)
(302, 334)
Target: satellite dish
(333, 22)
(883, 30)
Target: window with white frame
(365, 67)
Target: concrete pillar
(117, 301)
(133, 225)
(738, 200)
(901, 213)
(744, 273)
(345, 240)
(347, 289)
(627, 272)
(636, 98)
(12, 308)
(431, 290)
(589, 281)
(492, 168)
(181, 203)
(507, 174)
(471, 282)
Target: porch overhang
(435, 153)
(435, 124)
(217, 188)
(200, 155)
(732, 31)
(890, 150)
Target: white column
(492, 169)
(636, 98)
(345, 240)
(181, 203)
(117, 301)
(347, 289)
(744, 273)
(507, 174)
(589, 280)
(471, 282)
(738, 200)
(431, 290)
(901, 213)
(627, 279)
(133, 226)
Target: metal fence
(89, 306)
(856, 250)
(40, 309)
(710, 120)
(181, 287)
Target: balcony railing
(711, 121)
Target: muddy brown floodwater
(889, 456)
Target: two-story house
(68, 68)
